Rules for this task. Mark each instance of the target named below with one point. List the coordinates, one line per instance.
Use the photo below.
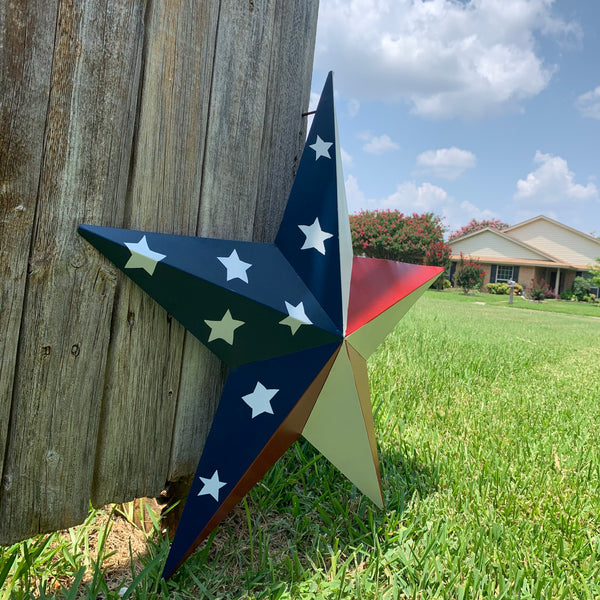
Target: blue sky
(467, 108)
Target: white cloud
(378, 144)
(552, 183)
(314, 101)
(353, 107)
(444, 57)
(588, 104)
(410, 198)
(355, 197)
(446, 163)
(347, 160)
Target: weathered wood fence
(179, 116)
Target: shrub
(503, 288)
(469, 275)
(567, 295)
(539, 290)
(595, 273)
(581, 288)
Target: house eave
(494, 260)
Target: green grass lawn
(488, 424)
(560, 306)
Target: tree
(595, 272)
(476, 226)
(389, 234)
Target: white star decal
(223, 329)
(297, 317)
(212, 486)
(260, 400)
(236, 268)
(142, 257)
(315, 236)
(321, 148)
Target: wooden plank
(144, 362)
(288, 95)
(263, 122)
(229, 193)
(66, 317)
(25, 62)
(191, 147)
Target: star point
(315, 236)
(260, 400)
(212, 485)
(321, 148)
(236, 268)
(296, 317)
(142, 257)
(223, 329)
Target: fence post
(180, 117)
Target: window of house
(504, 273)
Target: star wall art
(295, 321)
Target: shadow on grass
(303, 517)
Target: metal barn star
(295, 321)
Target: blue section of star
(236, 439)
(314, 195)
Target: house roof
(553, 222)
(540, 241)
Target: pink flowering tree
(476, 226)
(417, 239)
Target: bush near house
(581, 288)
(469, 275)
(595, 272)
(539, 290)
(503, 289)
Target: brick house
(539, 248)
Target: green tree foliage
(476, 226)
(469, 275)
(581, 288)
(417, 239)
(595, 272)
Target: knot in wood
(52, 457)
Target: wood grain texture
(274, 142)
(144, 362)
(171, 116)
(284, 130)
(26, 61)
(69, 293)
(229, 195)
